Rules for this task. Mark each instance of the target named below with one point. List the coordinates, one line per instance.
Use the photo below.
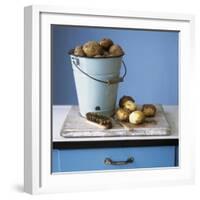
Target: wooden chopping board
(77, 126)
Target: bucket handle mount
(76, 62)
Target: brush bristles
(99, 119)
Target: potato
(104, 55)
(127, 103)
(149, 110)
(124, 99)
(116, 50)
(136, 117)
(78, 51)
(106, 43)
(122, 115)
(130, 106)
(92, 48)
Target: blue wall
(151, 58)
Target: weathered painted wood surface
(77, 126)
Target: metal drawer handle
(109, 161)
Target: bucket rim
(70, 52)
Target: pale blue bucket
(96, 81)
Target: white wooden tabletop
(60, 112)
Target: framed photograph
(107, 99)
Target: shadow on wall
(151, 58)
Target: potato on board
(149, 110)
(122, 115)
(136, 117)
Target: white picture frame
(37, 133)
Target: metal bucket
(96, 81)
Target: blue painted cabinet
(68, 160)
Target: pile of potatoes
(104, 48)
(128, 112)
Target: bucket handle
(109, 82)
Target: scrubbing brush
(99, 120)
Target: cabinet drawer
(67, 160)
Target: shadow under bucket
(96, 81)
